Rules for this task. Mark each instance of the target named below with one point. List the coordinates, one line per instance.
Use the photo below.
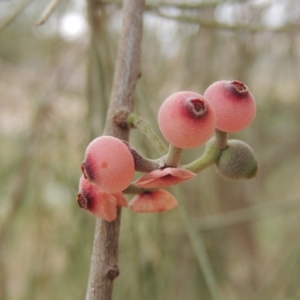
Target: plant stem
(47, 13)
(134, 120)
(209, 157)
(221, 138)
(141, 163)
(104, 262)
(173, 156)
(211, 153)
(199, 247)
(11, 17)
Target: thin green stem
(134, 120)
(173, 156)
(211, 153)
(221, 138)
(199, 247)
(209, 157)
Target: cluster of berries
(186, 120)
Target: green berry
(237, 161)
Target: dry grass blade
(10, 18)
(47, 12)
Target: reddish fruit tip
(196, 107)
(82, 201)
(239, 87)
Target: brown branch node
(120, 118)
(113, 272)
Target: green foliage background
(53, 99)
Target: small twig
(211, 23)
(156, 8)
(47, 12)
(12, 16)
(178, 5)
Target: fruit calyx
(239, 87)
(196, 107)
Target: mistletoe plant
(186, 120)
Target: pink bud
(233, 104)
(155, 201)
(108, 163)
(186, 120)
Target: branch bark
(104, 263)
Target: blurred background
(55, 82)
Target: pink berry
(109, 164)
(102, 205)
(186, 119)
(233, 104)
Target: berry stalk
(173, 156)
(135, 121)
(211, 154)
(209, 157)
